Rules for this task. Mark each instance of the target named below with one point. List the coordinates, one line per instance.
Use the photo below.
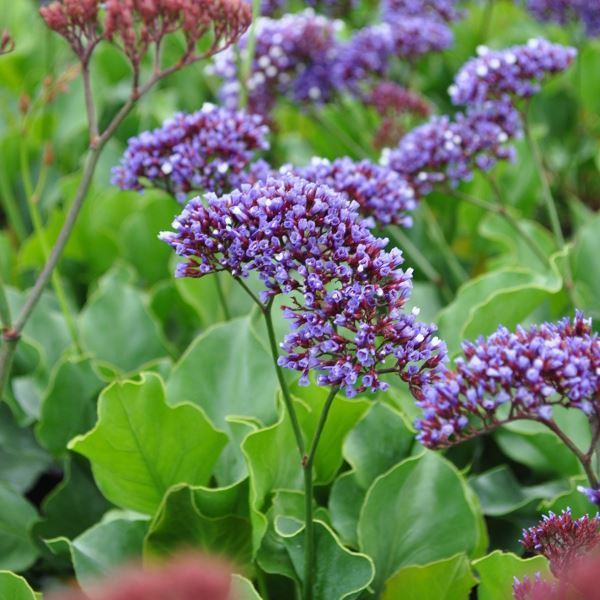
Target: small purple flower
(383, 195)
(416, 36)
(209, 150)
(592, 495)
(346, 293)
(443, 10)
(446, 151)
(562, 539)
(510, 376)
(293, 58)
(516, 72)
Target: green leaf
(423, 507)
(243, 589)
(117, 327)
(227, 372)
(448, 579)
(105, 547)
(345, 502)
(339, 573)
(69, 406)
(379, 441)
(21, 458)
(212, 520)
(506, 296)
(14, 587)
(497, 571)
(586, 271)
(141, 446)
(17, 516)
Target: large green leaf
(586, 271)
(141, 446)
(69, 406)
(243, 588)
(97, 552)
(21, 458)
(345, 502)
(118, 327)
(339, 573)
(17, 516)
(227, 372)
(423, 507)
(14, 587)
(215, 521)
(497, 571)
(447, 579)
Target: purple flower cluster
(562, 539)
(515, 72)
(446, 151)
(337, 8)
(442, 10)
(346, 292)
(293, 58)
(511, 376)
(212, 149)
(383, 196)
(565, 11)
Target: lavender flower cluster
(443, 10)
(213, 149)
(515, 72)
(446, 151)
(383, 196)
(566, 11)
(562, 539)
(293, 58)
(511, 376)
(346, 292)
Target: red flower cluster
(135, 25)
(185, 578)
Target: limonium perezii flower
(443, 10)
(536, 588)
(510, 376)
(346, 293)
(135, 25)
(447, 151)
(516, 72)
(213, 149)
(383, 196)
(293, 58)
(567, 11)
(562, 539)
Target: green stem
(486, 21)
(11, 207)
(5, 319)
(458, 271)
(405, 243)
(248, 58)
(308, 463)
(222, 298)
(550, 205)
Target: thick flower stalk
(292, 58)
(562, 539)
(346, 293)
(446, 151)
(515, 72)
(510, 376)
(383, 196)
(211, 150)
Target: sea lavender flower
(391, 99)
(443, 10)
(416, 36)
(183, 578)
(446, 151)
(516, 72)
(333, 8)
(212, 149)
(293, 58)
(346, 292)
(564, 12)
(383, 196)
(510, 376)
(593, 495)
(536, 589)
(562, 539)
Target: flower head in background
(562, 539)
(515, 72)
(443, 10)
(211, 150)
(183, 578)
(346, 293)
(510, 376)
(383, 196)
(592, 495)
(416, 36)
(564, 12)
(446, 151)
(293, 58)
(536, 589)
(136, 25)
